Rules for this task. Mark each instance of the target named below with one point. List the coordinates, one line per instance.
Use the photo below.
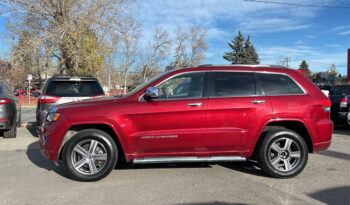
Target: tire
(85, 164)
(11, 133)
(18, 124)
(282, 153)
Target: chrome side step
(156, 160)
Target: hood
(88, 102)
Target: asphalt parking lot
(26, 177)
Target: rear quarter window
(74, 88)
(279, 84)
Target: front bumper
(50, 138)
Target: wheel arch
(99, 126)
(296, 125)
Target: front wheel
(90, 155)
(282, 153)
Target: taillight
(4, 101)
(326, 105)
(97, 96)
(48, 99)
(344, 102)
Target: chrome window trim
(171, 77)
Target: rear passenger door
(287, 97)
(236, 108)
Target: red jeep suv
(204, 114)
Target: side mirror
(151, 92)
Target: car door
(236, 108)
(175, 122)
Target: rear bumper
(321, 133)
(321, 146)
(5, 124)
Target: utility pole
(12, 53)
(287, 60)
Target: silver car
(61, 89)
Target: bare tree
(159, 51)
(77, 32)
(181, 39)
(195, 41)
(130, 33)
(198, 45)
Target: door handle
(258, 101)
(194, 104)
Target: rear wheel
(90, 155)
(283, 153)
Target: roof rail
(69, 76)
(240, 65)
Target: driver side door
(175, 123)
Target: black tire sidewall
(264, 153)
(11, 133)
(101, 137)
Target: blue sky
(321, 36)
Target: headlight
(52, 115)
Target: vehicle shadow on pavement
(341, 130)
(212, 203)
(333, 196)
(31, 128)
(335, 154)
(247, 167)
(35, 156)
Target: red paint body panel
(220, 126)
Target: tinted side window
(277, 84)
(225, 84)
(74, 88)
(189, 85)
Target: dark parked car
(10, 111)
(340, 97)
(204, 114)
(66, 88)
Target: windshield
(141, 86)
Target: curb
(25, 124)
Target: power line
(303, 5)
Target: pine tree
(241, 54)
(251, 57)
(304, 66)
(236, 56)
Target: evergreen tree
(241, 54)
(304, 66)
(251, 57)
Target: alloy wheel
(284, 154)
(89, 157)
